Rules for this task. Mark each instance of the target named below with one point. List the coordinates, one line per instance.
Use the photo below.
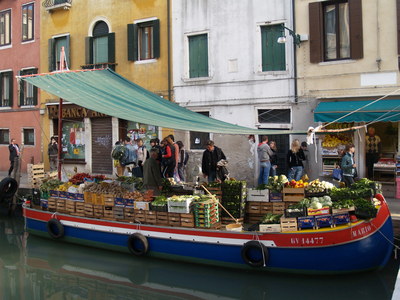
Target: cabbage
(327, 198)
(316, 205)
(314, 199)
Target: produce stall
(280, 206)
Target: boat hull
(360, 247)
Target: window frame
(23, 85)
(134, 41)
(187, 59)
(24, 135)
(337, 29)
(26, 5)
(4, 142)
(52, 55)
(4, 12)
(10, 89)
(264, 64)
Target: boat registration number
(318, 240)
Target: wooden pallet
(35, 174)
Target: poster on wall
(73, 140)
(142, 131)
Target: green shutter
(35, 89)
(11, 87)
(135, 42)
(156, 38)
(88, 50)
(273, 53)
(67, 50)
(130, 43)
(21, 89)
(111, 47)
(198, 56)
(51, 57)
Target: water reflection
(35, 268)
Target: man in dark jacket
(152, 179)
(211, 156)
(14, 153)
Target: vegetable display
(271, 219)
(276, 183)
(317, 186)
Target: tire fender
(55, 228)
(138, 244)
(8, 187)
(254, 245)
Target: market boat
(360, 246)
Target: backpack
(119, 152)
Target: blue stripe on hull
(368, 253)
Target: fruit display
(317, 186)
(276, 183)
(50, 184)
(334, 140)
(296, 184)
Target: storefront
(352, 120)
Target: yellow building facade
(130, 37)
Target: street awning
(109, 93)
(383, 110)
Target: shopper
(142, 153)
(52, 151)
(373, 150)
(273, 158)
(14, 154)
(152, 179)
(306, 161)
(175, 145)
(211, 156)
(155, 144)
(130, 159)
(348, 165)
(295, 159)
(264, 156)
(183, 158)
(168, 158)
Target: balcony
(53, 5)
(99, 66)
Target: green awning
(109, 93)
(383, 110)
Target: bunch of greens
(271, 219)
(50, 184)
(159, 201)
(276, 183)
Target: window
(273, 53)
(4, 136)
(6, 89)
(198, 56)
(27, 22)
(54, 52)
(27, 92)
(198, 139)
(281, 116)
(5, 27)
(144, 40)
(100, 48)
(73, 140)
(29, 136)
(335, 30)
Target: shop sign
(74, 112)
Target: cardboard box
(141, 205)
(321, 211)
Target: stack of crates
(234, 195)
(206, 214)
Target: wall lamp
(296, 37)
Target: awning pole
(59, 137)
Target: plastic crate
(324, 221)
(341, 219)
(306, 222)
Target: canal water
(34, 268)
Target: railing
(57, 4)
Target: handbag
(337, 174)
(137, 172)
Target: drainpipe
(169, 47)
(294, 54)
(60, 107)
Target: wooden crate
(88, 197)
(35, 174)
(89, 210)
(108, 200)
(293, 194)
(70, 206)
(174, 219)
(215, 191)
(98, 211)
(151, 217)
(140, 216)
(228, 220)
(162, 218)
(288, 224)
(214, 226)
(108, 212)
(252, 218)
(52, 204)
(253, 207)
(118, 213)
(257, 195)
(97, 199)
(187, 220)
(270, 227)
(129, 213)
(278, 208)
(266, 207)
(61, 206)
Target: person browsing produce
(295, 159)
(348, 166)
(211, 156)
(264, 155)
(152, 179)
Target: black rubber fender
(8, 187)
(251, 245)
(138, 244)
(55, 228)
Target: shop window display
(73, 140)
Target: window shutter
(52, 59)
(111, 47)
(398, 26)
(67, 50)
(1, 90)
(203, 56)
(356, 30)
(130, 42)
(316, 32)
(11, 88)
(21, 89)
(273, 53)
(35, 89)
(88, 50)
(156, 38)
(135, 42)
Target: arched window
(100, 47)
